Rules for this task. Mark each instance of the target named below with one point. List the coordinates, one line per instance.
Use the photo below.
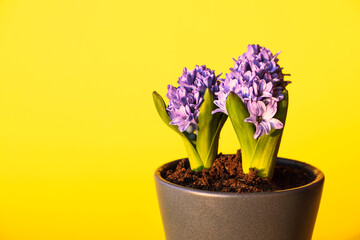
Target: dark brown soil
(226, 175)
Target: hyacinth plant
(190, 113)
(253, 95)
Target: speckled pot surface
(191, 214)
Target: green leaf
(244, 131)
(194, 158)
(213, 150)
(209, 128)
(267, 146)
(195, 161)
(161, 109)
(205, 132)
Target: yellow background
(80, 137)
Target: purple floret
(261, 116)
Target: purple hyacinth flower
(186, 99)
(256, 76)
(261, 116)
(258, 80)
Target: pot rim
(317, 182)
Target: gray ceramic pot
(191, 214)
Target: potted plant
(249, 195)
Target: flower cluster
(258, 80)
(185, 100)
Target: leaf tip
(154, 93)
